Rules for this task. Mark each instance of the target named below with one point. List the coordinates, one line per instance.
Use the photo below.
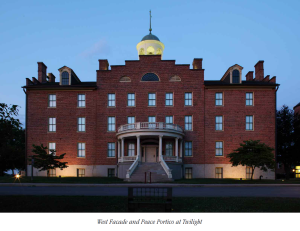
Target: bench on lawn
(150, 197)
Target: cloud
(101, 47)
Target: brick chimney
(51, 78)
(259, 70)
(42, 69)
(249, 76)
(197, 63)
(103, 64)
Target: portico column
(122, 148)
(160, 148)
(138, 148)
(119, 151)
(176, 149)
(181, 143)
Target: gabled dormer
(68, 76)
(233, 75)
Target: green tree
(254, 154)
(44, 161)
(288, 138)
(12, 139)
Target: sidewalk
(145, 185)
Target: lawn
(119, 204)
(113, 180)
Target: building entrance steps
(158, 174)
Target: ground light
(17, 177)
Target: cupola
(150, 44)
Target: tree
(287, 139)
(12, 139)
(44, 161)
(254, 154)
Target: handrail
(166, 168)
(132, 168)
(150, 125)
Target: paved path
(203, 191)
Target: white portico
(149, 138)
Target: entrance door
(150, 154)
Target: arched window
(235, 76)
(125, 79)
(150, 50)
(142, 51)
(150, 77)
(158, 51)
(175, 78)
(65, 78)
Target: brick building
(150, 115)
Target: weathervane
(150, 22)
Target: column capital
(138, 136)
(176, 138)
(160, 136)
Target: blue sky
(78, 33)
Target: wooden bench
(157, 198)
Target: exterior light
(293, 170)
(17, 176)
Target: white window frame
(219, 99)
(131, 149)
(81, 124)
(188, 148)
(81, 149)
(249, 123)
(249, 99)
(111, 124)
(52, 124)
(81, 100)
(52, 146)
(151, 99)
(188, 99)
(111, 100)
(111, 149)
(169, 101)
(52, 100)
(188, 123)
(219, 148)
(219, 123)
(131, 100)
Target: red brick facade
(203, 110)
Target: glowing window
(150, 50)
(158, 51)
(142, 51)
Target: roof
(297, 105)
(150, 37)
(56, 85)
(244, 83)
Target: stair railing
(166, 168)
(132, 168)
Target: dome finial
(150, 22)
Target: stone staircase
(158, 174)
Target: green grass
(65, 180)
(113, 180)
(119, 204)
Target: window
(81, 124)
(188, 123)
(219, 99)
(188, 148)
(188, 173)
(151, 99)
(219, 173)
(169, 149)
(81, 150)
(150, 77)
(219, 148)
(169, 119)
(52, 125)
(111, 150)
(249, 99)
(130, 120)
(131, 100)
(188, 99)
(52, 148)
(219, 123)
(235, 76)
(51, 172)
(65, 78)
(111, 172)
(81, 100)
(111, 124)
(248, 172)
(111, 100)
(249, 123)
(131, 149)
(169, 99)
(80, 172)
(151, 120)
(52, 101)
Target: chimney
(51, 78)
(103, 64)
(259, 70)
(249, 76)
(197, 63)
(42, 69)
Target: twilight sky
(78, 33)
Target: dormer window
(65, 78)
(235, 76)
